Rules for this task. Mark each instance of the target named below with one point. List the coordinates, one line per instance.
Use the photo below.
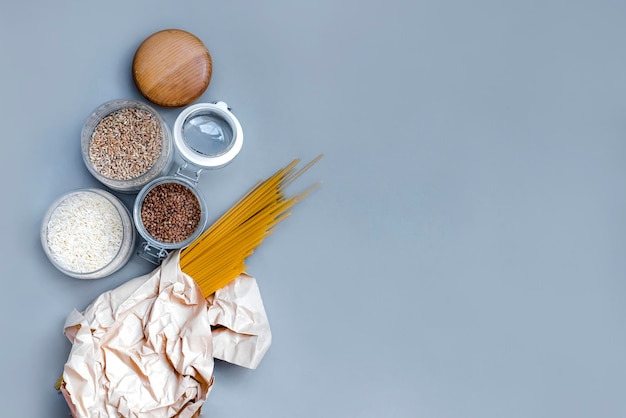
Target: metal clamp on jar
(169, 212)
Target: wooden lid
(172, 68)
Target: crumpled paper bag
(146, 348)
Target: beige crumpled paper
(146, 348)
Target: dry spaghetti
(218, 256)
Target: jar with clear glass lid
(170, 212)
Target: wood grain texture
(172, 68)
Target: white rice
(84, 232)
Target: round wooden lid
(172, 68)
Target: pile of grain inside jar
(170, 212)
(84, 232)
(126, 143)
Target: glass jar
(206, 136)
(169, 213)
(126, 144)
(88, 234)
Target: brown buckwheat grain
(170, 212)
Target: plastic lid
(172, 68)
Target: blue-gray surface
(464, 256)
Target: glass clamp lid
(207, 135)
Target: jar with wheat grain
(126, 144)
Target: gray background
(464, 256)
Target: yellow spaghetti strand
(218, 256)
